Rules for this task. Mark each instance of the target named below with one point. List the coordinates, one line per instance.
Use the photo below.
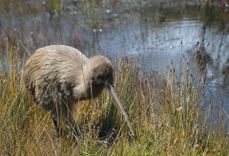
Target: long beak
(120, 106)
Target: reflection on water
(156, 35)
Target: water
(155, 34)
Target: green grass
(167, 118)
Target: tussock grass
(167, 118)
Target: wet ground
(155, 33)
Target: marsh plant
(167, 118)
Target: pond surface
(154, 34)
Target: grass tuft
(167, 118)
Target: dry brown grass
(168, 119)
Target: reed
(167, 118)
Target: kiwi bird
(58, 76)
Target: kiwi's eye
(100, 77)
